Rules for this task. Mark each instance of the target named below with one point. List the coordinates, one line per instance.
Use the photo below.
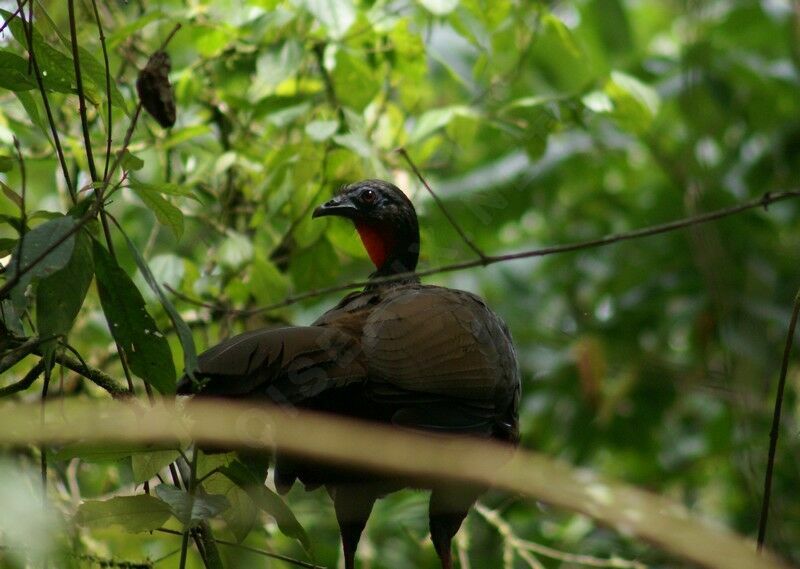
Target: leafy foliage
(537, 123)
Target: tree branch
(28, 27)
(96, 376)
(440, 204)
(254, 550)
(25, 382)
(110, 116)
(776, 421)
(764, 201)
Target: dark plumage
(421, 357)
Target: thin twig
(192, 484)
(76, 61)
(25, 382)
(440, 204)
(96, 376)
(28, 27)
(520, 546)
(110, 117)
(13, 15)
(23, 217)
(263, 552)
(764, 201)
(776, 421)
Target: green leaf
(635, 104)
(60, 296)
(166, 213)
(146, 465)
(170, 189)
(268, 501)
(439, 7)
(356, 82)
(96, 73)
(275, 66)
(267, 283)
(132, 513)
(98, 452)
(9, 193)
(122, 33)
(30, 106)
(235, 250)
(36, 242)
(336, 15)
(14, 73)
(130, 162)
(184, 333)
(321, 130)
(189, 509)
(133, 328)
(58, 72)
(433, 120)
(242, 515)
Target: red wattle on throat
(377, 242)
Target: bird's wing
(283, 364)
(438, 341)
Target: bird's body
(418, 357)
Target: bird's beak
(341, 206)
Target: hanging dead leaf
(155, 90)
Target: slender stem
(87, 140)
(23, 217)
(764, 201)
(192, 481)
(440, 204)
(776, 421)
(96, 376)
(14, 14)
(126, 142)
(110, 117)
(28, 27)
(244, 547)
(25, 382)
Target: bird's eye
(368, 196)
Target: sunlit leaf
(132, 513)
(146, 465)
(440, 7)
(336, 15)
(166, 213)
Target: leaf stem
(28, 27)
(776, 421)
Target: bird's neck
(392, 249)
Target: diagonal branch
(76, 60)
(110, 117)
(764, 201)
(440, 203)
(28, 27)
(251, 549)
(776, 422)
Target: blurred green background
(652, 361)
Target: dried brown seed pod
(155, 90)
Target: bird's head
(385, 220)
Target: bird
(399, 352)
